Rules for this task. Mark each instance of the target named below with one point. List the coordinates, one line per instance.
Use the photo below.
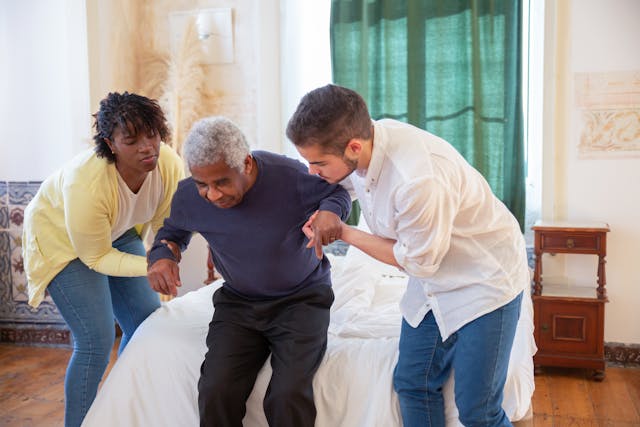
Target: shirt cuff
(409, 264)
(400, 253)
(160, 252)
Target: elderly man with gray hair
(251, 207)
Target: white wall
(270, 134)
(597, 36)
(306, 55)
(44, 107)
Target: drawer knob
(571, 243)
(545, 327)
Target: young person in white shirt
(434, 216)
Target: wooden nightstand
(569, 321)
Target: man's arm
(326, 225)
(163, 257)
(377, 247)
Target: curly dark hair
(133, 114)
(329, 116)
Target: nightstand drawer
(573, 242)
(569, 326)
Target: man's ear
(354, 147)
(248, 164)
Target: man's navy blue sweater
(258, 245)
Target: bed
(154, 381)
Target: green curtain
(451, 67)
(354, 216)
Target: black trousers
(242, 334)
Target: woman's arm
(88, 210)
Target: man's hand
(322, 228)
(306, 228)
(164, 276)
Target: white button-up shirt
(459, 244)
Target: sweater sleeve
(317, 194)
(338, 202)
(172, 171)
(88, 222)
(170, 231)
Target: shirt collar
(377, 155)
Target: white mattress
(154, 382)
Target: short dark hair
(329, 116)
(130, 112)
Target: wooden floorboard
(32, 392)
(619, 409)
(570, 396)
(632, 380)
(541, 400)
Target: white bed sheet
(154, 382)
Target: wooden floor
(32, 385)
(32, 393)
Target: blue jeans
(89, 301)
(479, 355)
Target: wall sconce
(214, 29)
(205, 25)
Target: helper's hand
(326, 227)
(164, 276)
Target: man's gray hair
(213, 139)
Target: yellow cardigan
(72, 214)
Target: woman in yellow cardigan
(82, 236)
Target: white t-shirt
(460, 245)
(137, 208)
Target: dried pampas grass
(184, 94)
(175, 79)
(121, 53)
(154, 66)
